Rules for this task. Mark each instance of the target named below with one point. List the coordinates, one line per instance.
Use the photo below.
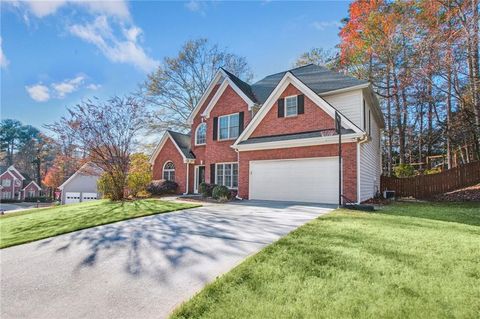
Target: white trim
(11, 167)
(196, 131)
(288, 79)
(195, 178)
(285, 105)
(38, 187)
(350, 88)
(228, 126)
(226, 82)
(204, 97)
(238, 175)
(160, 145)
(347, 138)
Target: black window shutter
(212, 173)
(241, 116)
(215, 128)
(369, 124)
(300, 103)
(281, 107)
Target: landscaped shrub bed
(162, 187)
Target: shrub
(221, 192)
(9, 200)
(404, 170)
(162, 187)
(139, 175)
(206, 189)
(435, 170)
(108, 185)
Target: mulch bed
(467, 194)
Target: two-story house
(276, 139)
(14, 185)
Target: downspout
(188, 175)
(238, 187)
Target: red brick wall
(29, 188)
(220, 151)
(313, 119)
(349, 152)
(170, 153)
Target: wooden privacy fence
(425, 186)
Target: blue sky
(53, 54)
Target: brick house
(276, 139)
(14, 185)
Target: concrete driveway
(141, 268)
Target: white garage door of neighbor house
(72, 197)
(88, 197)
(300, 180)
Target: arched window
(169, 171)
(201, 134)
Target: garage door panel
(308, 180)
(86, 197)
(72, 197)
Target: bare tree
(106, 131)
(177, 85)
(319, 56)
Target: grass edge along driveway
(406, 261)
(27, 226)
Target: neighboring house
(14, 185)
(275, 139)
(82, 185)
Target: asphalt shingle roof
(183, 142)
(318, 78)
(245, 87)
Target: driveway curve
(140, 268)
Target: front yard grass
(405, 261)
(26, 226)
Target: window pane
(228, 175)
(202, 134)
(223, 125)
(165, 175)
(233, 131)
(223, 133)
(235, 176)
(291, 105)
(172, 176)
(220, 174)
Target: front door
(199, 177)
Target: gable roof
(287, 79)
(34, 183)
(243, 86)
(88, 167)
(181, 142)
(318, 78)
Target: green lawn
(26, 226)
(405, 261)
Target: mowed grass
(27, 226)
(405, 261)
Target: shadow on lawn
(152, 246)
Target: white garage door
(88, 197)
(301, 180)
(72, 197)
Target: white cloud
(117, 8)
(68, 86)
(38, 92)
(93, 86)
(3, 59)
(322, 25)
(193, 5)
(123, 47)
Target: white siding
(370, 159)
(349, 104)
(80, 184)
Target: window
(227, 175)
(201, 134)
(291, 107)
(6, 182)
(169, 171)
(6, 195)
(228, 126)
(31, 193)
